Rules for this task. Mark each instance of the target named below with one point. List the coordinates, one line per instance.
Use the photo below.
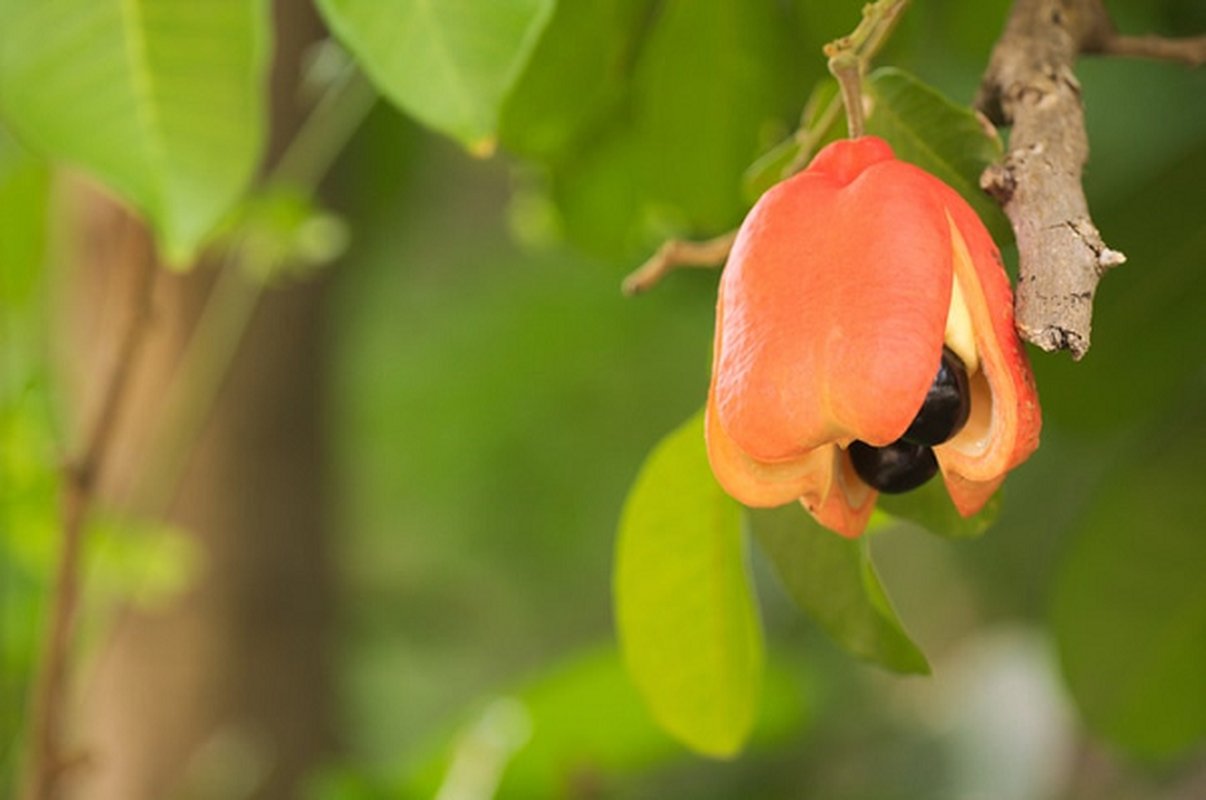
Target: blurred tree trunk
(226, 693)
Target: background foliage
(495, 395)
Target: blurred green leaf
(281, 233)
(944, 139)
(24, 191)
(579, 721)
(146, 562)
(776, 164)
(931, 508)
(707, 91)
(687, 620)
(833, 581)
(450, 64)
(706, 97)
(578, 76)
(587, 718)
(162, 101)
(1129, 609)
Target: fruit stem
(850, 56)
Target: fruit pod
(844, 284)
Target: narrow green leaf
(1130, 603)
(945, 139)
(833, 581)
(931, 508)
(687, 619)
(161, 100)
(449, 63)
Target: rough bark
(1030, 85)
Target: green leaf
(449, 63)
(687, 619)
(706, 95)
(161, 100)
(576, 79)
(931, 508)
(777, 163)
(709, 87)
(586, 714)
(1129, 609)
(833, 581)
(944, 139)
(582, 716)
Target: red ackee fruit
(844, 285)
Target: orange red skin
(831, 318)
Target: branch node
(998, 181)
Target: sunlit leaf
(945, 139)
(450, 63)
(687, 620)
(161, 100)
(833, 581)
(1130, 603)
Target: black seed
(946, 406)
(899, 467)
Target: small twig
(677, 253)
(1191, 50)
(47, 762)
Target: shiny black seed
(946, 406)
(899, 467)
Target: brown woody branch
(48, 762)
(1190, 51)
(1030, 85)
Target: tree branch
(1190, 51)
(1030, 85)
(47, 761)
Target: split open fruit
(852, 287)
